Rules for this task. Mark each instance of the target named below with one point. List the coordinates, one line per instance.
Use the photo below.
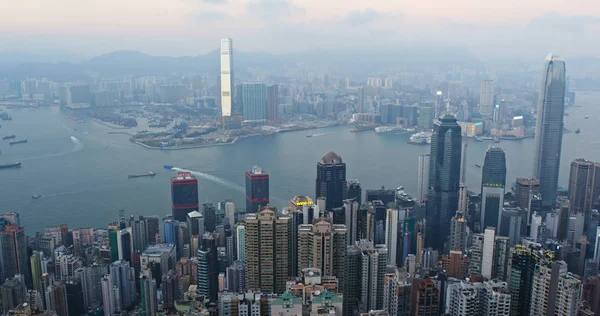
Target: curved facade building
(549, 128)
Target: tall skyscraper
(486, 97)
(422, 177)
(14, 252)
(549, 127)
(226, 80)
(149, 302)
(373, 263)
(322, 245)
(351, 208)
(331, 180)
(444, 178)
(210, 217)
(272, 102)
(267, 251)
(184, 195)
(391, 234)
(522, 262)
(360, 100)
(170, 289)
(554, 290)
(208, 267)
(492, 200)
(584, 186)
(109, 303)
(257, 189)
(254, 96)
(152, 230)
(354, 191)
(458, 232)
(494, 167)
(396, 294)
(123, 276)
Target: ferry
(168, 167)
(22, 141)
(420, 138)
(9, 137)
(578, 131)
(16, 164)
(587, 116)
(36, 196)
(385, 129)
(149, 174)
(478, 166)
(309, 136)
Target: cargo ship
(149, 174)
(9, 137)
(16, 164)
(22, 141)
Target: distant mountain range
(363, 62)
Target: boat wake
(212, 178)
(78, 144)
(321, 134)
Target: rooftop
(156, 250)
(331, 158)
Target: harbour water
(82, 171)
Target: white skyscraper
(391, 235)
(487, 258)
(240, 234)
(423, 177)
(486, 97)
(230, 212)
(536, 221)
(226, 76)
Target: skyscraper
(360, 100)
(373, 263)
(554, 290)
(422, 177)
(522, 262)
(257, 189)
(148, 295)
(331, 180)
(109, 303)
(322, 245)
(444, 178)
(391, 234)
(123, 276)
(458, 232)
(272, 102)
(184, 195)
(208, 267)
(210, 217)
(549, 128)
(267, 251)
(427, 298)
(14, 252)
(494, 167)
(584, 186)
(492, 200)
(170, 289)
(354, 191)
(226, 80)
(486, 97)
(254, 96)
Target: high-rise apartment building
(254, 96)
(396, 294)
(422, 177)
(226, 78)
(331, 180)
(522, 263)
(149, 302)
(360, 100)
(272, 102)
(184, 195)
(373, 263)
(267, 250)
(392, 219)
(170, 289)
(322, 245)
(486, 97)
(487, 298)
(123, 277)
(426, 299)
(257, 189)
(444, 178)
(458, 232)
(554, 291)
(549, 128)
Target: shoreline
(109, 125)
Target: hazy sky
(490, 29)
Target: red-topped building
(257, 189)
(184, 195)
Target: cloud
(367, 16)
(273, 10)
(556, 22)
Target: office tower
(396, 294)
(351, 208)
(463, 199)
(522, 262)
(486, 97)
(125, 244)
(331, 180)
(226, 79)
(549, 128)
(170, 289)
(171, 233)
(360, 100)
(152, 224)
(384, 195)
(57, 298)
(267, 251)
(352, 279)
(494, 167)
(257, 189)
(123, 276)
(554, 290)
(74, 292)
(524, 188)
(444, 176)
(108, 296)
(492, 200)
(36, 270)
(149, 302)
(536, 222)
(427, 298)
(210, 217)
(354, 191)
(456, 264)
(439, 105)
(195, 223)
(254, 96)
(162, 254)
(512, 224)
(208, 267)
(84, 275)
(463, 168)
(322, 245)
(230, 212)
(139, 231)
(240, 237)
(14, 252)
(13, 293)
(487, 259)
(391, 235)
(184, 195)
(373, 263)
(272, 102)
(584, 186)
(458, 232)
(236, 277)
